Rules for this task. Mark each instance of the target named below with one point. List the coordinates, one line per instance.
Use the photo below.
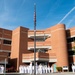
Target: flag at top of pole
(34, 14)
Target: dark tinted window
(71, 52)
(7, 42)
(71, 39)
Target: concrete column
(19, 45)
(59, 44)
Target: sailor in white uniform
(73, 68)
(48, 68)
(36, 68)
(20, 69)
(2, 69)
(30, 68)
(45, 69)
(51, 68)
(40, 69)
(24, 69)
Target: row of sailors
(1, 69)
(39, 69)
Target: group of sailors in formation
(1, 69)
(39, 69)
(73, 68)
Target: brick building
(54, 46)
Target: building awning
(39, 36)
(40, 47)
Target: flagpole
(34, 39)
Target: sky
(15, 13)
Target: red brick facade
(53, 46)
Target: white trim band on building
(29, 60)
(44, 35)
(40, 47)
(52, 60)
(5, 38)
(5, 51)
(41, 59)
(4, 62)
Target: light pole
(34, 39)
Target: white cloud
(6, 16)
(55, 5)
(70, 21)
(67, 15)
(20, 7)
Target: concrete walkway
(62, 73)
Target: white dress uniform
(20, 69)
(73, 68)
(51, 70)
(45, 69)
(24, 69)
(2, 69)
(30, 68)
(36, 68)
(48, 68)
(40, 69)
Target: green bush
(59, 68)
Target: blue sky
(14, 13)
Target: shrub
(59, 68)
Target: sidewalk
(61, 73)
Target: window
(74, 38)
(42, 51)
(0, 41)
(39, 50)
(7, 42)
(9, 54)
(40, 39)
(71, 39)
(71, 52)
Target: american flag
(34, 14)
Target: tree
(74, 47)
(59, 69)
